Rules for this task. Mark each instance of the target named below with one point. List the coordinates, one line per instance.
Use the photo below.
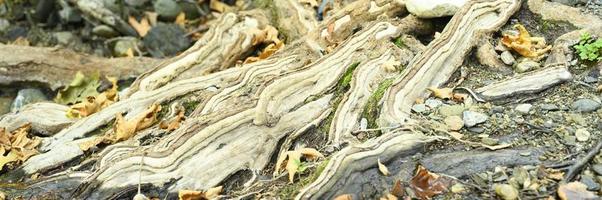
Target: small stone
(472, 118)
(589, 79)
(4, 24)
(476, 129)
(500, 47)
(526, 65)
(585, 105)
(165, 40)
(589, 181)
(597, 168)
(523, 108)
(167, 8)
(64, 37)
(489, 141)
(434, 8)
(548, 124)
(27, 96)
(507, 58)
(361, 136)
(419, 108)
(549, 107)
(122, 45)
(447, 110)
(363, 124)
(104, 31)
(433, 103)
(506, 192)
(582, 135)
(70, 15)
(454, 123)
(136, 3)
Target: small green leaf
(80, 88)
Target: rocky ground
(540, 146)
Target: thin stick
(578, 166)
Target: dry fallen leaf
(388, 197)
(382, 168)
(94, 104)
(141, 27)
(442, 93)
(524, 44)
(174, 123)
(152, 17)
(575, 191)
(269, 36)
(124, 129)
(17, 144)
(211, 193)
(293, 160)
(181, 19)
(219, 6)
(426, 184)
(398, 189)
(129, 53)
(344, 197)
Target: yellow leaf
(17, 144)
(94, 104)
(211, 193)
(382, 168)
(442, 93)
(129, 53)
(141, 27)
(344, 197)
(311, 153)
(174, 123)
(181, 19)
(293, 160)
(219, 6)
(10, 157)
(124, 129)
(524, 44)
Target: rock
(523, 108)
(433, 103)
(548, 124)
(507, 58)
(136, 3)
(4, 24)
(64, 37)
(112, 5)
(582, 135)
(589, 181)
(104, 31)
(5, 104)
(458, 188)
(166, 40)
(590, 79)
(497, 109)
(585, 105)
(500, 47)
(122, 45)
(191, 9)
(526, 65)
(70, 15)
(472, 118)
(363, 123)
(167, 8)
(549, 107)
(419, 108)
(597, 168)
(15, 32)
(506, 192)
(434, 8)
(489, 141)
(454, 123)
(570, 2)
(27, 96)
(448, 110)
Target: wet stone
(585, 105)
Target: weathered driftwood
(32, 64)
(443, 55)
(45, 118)
(527, 83)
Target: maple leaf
(211, 193)
(293, 160)
(524, 44)
(426, 184)
(79, 89)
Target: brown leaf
(524, 44)
(211, 193)
(344, 197)
(293, 160)
(575, 191)
(124, 129)
(181, 19)
(388, 197)
(426, 184)
(152, 17)
(268, 35)
(382, 168)
(174, 123)
(141, 27)
(398, 189)
(17, 144)
(442, 93)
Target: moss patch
(289, 191)
(371, 110)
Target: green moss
(371, 110)
(341, 88)
(189, 106)
(291, 190)
(399, 43)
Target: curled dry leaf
(398, 189)
(211, 193)
(524, 44)
(426, 184)
(124, 129)
(388, 197)
(442, 93)
(219, 6)
(382, 168)
(174, 123)
(16, 146)
(181, 19)
(93, 104)
(293, 160)
(141, 27)
(575, 191)
(344, 197)
(269, 36)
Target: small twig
(578, 166)
(376, 129)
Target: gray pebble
(27, 96)
(523, 108)
(472, 118)
(167, 8)
(590, 182)
(526, 65)
(433, 103)
(585, 105)
(549, 107)
(507, 58)
(419, 108)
